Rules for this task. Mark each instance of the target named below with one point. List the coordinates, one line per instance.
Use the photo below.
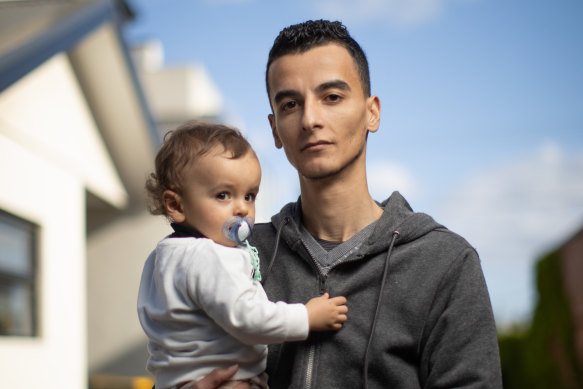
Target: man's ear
(373, 106)
(173, 205)
(276, 139)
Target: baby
(200, 301)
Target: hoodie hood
(397, 216)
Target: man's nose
(311, 115)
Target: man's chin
(326, 169)
(319, 174)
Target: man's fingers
(216, 377)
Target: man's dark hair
(299, 38)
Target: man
(420, 315)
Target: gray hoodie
(419, 310)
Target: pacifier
(238, 229)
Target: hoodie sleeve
(460, 346)
(221, 285)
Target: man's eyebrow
(334, 84)
(284, 94)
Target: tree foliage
(543, 355)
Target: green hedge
(543, 355)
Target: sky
(482, 111)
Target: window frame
(30, 280)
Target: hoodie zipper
(322, 278)
(310, 367)
(313, 346)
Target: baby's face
(216, 188)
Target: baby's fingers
(342, 309)
(338, 300)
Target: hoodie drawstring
(268, 272)
(378, 308)
(272, 259)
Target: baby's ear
(173, 205)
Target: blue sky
(482, 110)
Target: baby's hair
(181, 147)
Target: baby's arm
(325, 313)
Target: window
(17, 276)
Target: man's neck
(335, 210)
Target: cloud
(385, 177)
(516, 213)
(400, 13)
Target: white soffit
(107, 79)
(47, 114)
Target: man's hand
(325, 313)
(216, 378)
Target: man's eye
(289, 105)
(250, 197)
(223, 196)
(333, 97)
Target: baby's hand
(325, 313)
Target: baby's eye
(250, 197)
(223, 196)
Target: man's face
(216, 187)
(320, 114)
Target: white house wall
(179, 92)
(47, 113)
(50, 153)
(43, 193)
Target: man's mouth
(316, 146)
